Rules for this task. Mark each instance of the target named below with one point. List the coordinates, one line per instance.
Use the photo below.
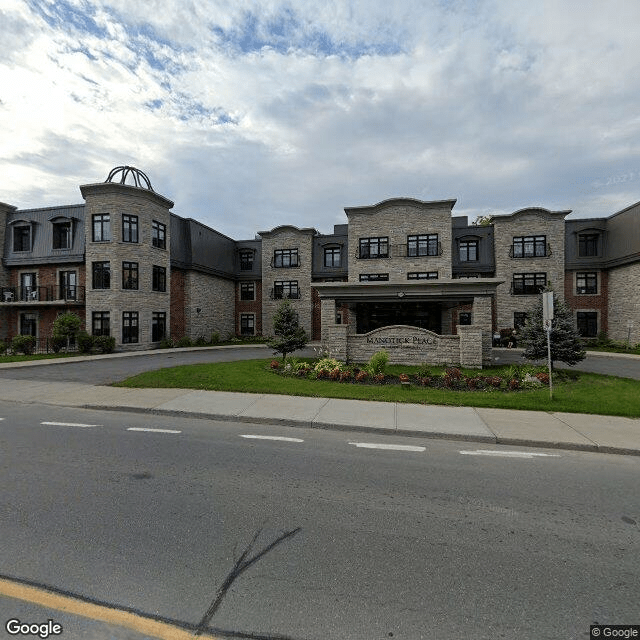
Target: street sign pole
(547, 317)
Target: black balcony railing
(401, 251)
(539, 251)
(69, 293)
(279, 294)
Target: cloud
(285, 112)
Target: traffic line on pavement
(153, 430)
(281, 438)
(509, 454)
(70, 424)
(390, 447)
(57, 600)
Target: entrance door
(374, 315)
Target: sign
(547, 309)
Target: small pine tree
(289, 335)
(565, 342)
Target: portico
(412, 321)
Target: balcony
(539, 251)
(279, 294)
(402, 251)
(64, 295)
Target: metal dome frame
(140, 178)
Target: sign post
(547, 318)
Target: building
(133, 269)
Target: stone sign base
(411, 345)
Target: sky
(252, 115)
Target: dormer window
(588, 244)
(62, 235)
(22, 238)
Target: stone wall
(530, 222)
(397, 221)
(407, 345)
(624, 302)
(209, 305)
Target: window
(528, 283)
(519, 319)
(247, 324)
(101, 225)
(129, 228)
(22, 238)
(28, 286)
(62, 235)
(424, 245)
(529, 247)
(422, 275)
(285, 289)
(587, 323)
(101, 275)
(28, 324)
(159, 278)
(129, 275)
(464, 318)
(374, 248)
(158, 326)
(247, 291)
(246, 260)
(285, 258)
(373, 277)
(68, 285)
(332, 257)
(588, 244)
(468, 250)
(129, 327)
(158, 235)
(586, 283)
(100, 323)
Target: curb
(433, 435)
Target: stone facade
(397, 220)
(209, 304)
(624, 303)
(118, 200)
(285, 239)
(522, 224)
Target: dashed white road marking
(510, 454)
(390, 447)
(153, 430)
(70, 424)
(282, 438)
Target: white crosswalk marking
(509, 454)
(282, 438)
(389, 447)
(153, 430)
(70, 424)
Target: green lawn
(588, 393)
(37, 356)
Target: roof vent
(122, 174)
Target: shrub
(275, 364)
(379, 377)
(361, 376)
(403, 377)
(494, 381)
(334, 374)
(85, 342)
(425, 381)
(215, 337)
(201, 341)
(57, 343)
(378, 362)
(514, 384)
(543, 377)
(345, 376)
(325, 366)
(166, 343)
(185, 341)
(104, 344)
(23, 344)
(3, 347)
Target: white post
(547, 317)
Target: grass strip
(588, 393)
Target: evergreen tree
(289, 335)
(566, 345)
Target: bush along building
(404, 274)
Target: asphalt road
(435, 543)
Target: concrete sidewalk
(604, 434)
